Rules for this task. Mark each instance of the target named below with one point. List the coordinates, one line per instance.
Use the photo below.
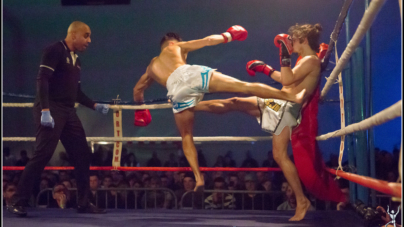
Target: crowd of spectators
(167, 190)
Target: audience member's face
(218, 174)
(249, 185)
(107, 182)
(9, 192)
(136, 185)
(44, 174)
(182, 175)
(51, 177)
(284, 186)
(67, 184)
(169, 174)
(241, 175)
(74, 182)
(146, 183)
(290, 195)
(146, 175)
(177, 177)
(164, 182)
(60, 191)
(154, 183)
(189, 184)
(234, 179)
(44, 184)
(267, 185)
(260, 176)
(131, 182)
(131, 158)
(219, 186)
(93, 182)
(114, 192)
(63, 176)
(6, 177)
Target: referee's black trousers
(69, 130)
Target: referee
(58, 88)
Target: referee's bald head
(76, 26)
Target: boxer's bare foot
(200, 184)
(301, 210)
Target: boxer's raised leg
(246, 105)
(223, 83)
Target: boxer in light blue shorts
(187, 85)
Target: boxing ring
(39, 217)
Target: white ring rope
(383, 116)
(144, 139)
(364, 25)
(114, 107)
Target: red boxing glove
(322, 51)
(285, 45)
(235, 32)
(142, 118)
(258, 66)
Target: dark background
(126, 37)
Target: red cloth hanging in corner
(307, 156)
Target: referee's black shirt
(58, 79)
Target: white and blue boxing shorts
(277, 114)
(187, 85)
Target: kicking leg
(279, 146)
(185, 122)
(220, 106)
(223, 83)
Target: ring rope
(389, 188)
(364, 25)
(144, 139)
(114, 107)
(383, 116)
(170, 169)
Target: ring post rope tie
(364, 25)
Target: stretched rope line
(383, 116)
(114, 107)
(364, 25)
(389, 188)
(25, 105)
(165, 169)
(144, 139)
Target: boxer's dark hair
(170, 36)
(309, 31)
